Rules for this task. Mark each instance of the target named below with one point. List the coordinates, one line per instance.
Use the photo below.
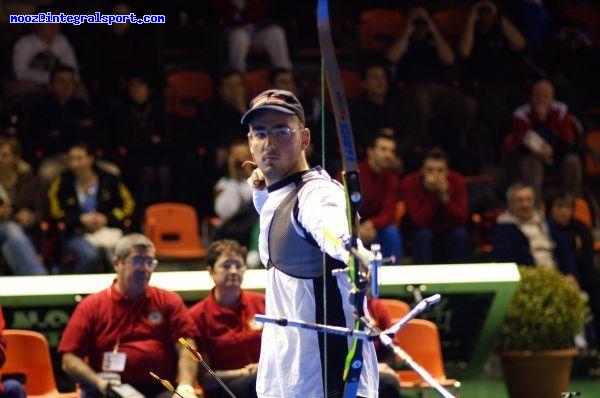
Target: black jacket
(114, 201)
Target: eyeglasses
(139, 262)
(281, 134)
(226, 266)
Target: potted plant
(535, 340)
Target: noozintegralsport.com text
(97, 17)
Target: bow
(350, 177)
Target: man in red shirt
(380, 184)
(543, 139)
(437, 209)
(130, 329)
(229, 336)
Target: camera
(419, 23)
(485, 10)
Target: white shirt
(231, 194)
(26, 49)
(289, 363)
(541, 244)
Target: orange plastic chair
(451, 22)
(588, 16)
(257, 81)
(173, 228)
(378, 28)
(397, 308)
(421, 340)
(582, 212)
(28, 355)
(185, 91)
(592, 164)
(352, 84)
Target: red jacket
(380, 195)
(556, 130)
(425, 210)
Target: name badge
(114, 361)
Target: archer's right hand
(257, 178)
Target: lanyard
(127, 322)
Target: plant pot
(539, 374)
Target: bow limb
(354, 360)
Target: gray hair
(128, 242)
(517, 186)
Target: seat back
(257, 81)
(592, 161)
(185, 91)
(173, 228)
(352, 84)
(421, 340)
(28, 356)
(397, 308)
(379, 28)
(582, 212)
(451, 22)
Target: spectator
(542, 140)
(380, 188)
(94, 206)
(35, 55)
(226, 111)
(60, 120)
(523, 235)
(130, 328)
(123, 50)
(389, 387)
(423, 57)
(284, 79)
(492, 48)
(437, 210)
(229, 336)
(379, 108)
(143, 133)
(572, 61)
(9, 388)
(20, 210)
(247, 25)
(560, 208)
(233, 198)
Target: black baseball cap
(278, 100)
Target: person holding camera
(423, 60)
(491, 47)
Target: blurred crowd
(451, 102)
(477, 127)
